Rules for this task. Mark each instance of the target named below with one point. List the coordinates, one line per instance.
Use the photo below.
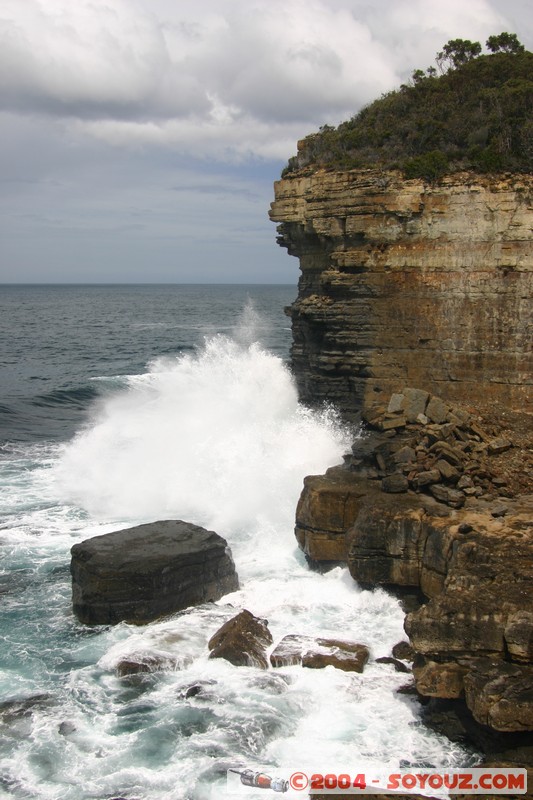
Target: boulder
(242, 640)
(399, 666)
(139, 574)
(499, 445)
(319, 653)
(395, 483)
(415, 402)
(404, 651)
(144, 662)
(437, 410)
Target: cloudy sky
(139, 139)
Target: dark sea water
(60, 345)
(127, 404)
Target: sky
(140, 139)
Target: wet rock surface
(142, 573)
(243, 641)
(319, 653)
(461, 533)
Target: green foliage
(457, 52)
(477, 115)
(505, 43)
(430, 166)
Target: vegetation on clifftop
(477, 114)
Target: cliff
(406, 283)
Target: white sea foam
(219, 439)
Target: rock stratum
(439, 512)
(409, 284)
(414, 315)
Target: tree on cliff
(506, 43)
(477, 115)
(457, 52)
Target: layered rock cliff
(405, 283)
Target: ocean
(129, 404)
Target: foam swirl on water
(219, 439)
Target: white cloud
(238, 77)
(105, 105)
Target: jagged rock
(499, 511)
(453, 455)
(499, 445)
(404, 651)
(398, 666)
(242, 640)
(415, 402)
(452, 497)
(11, 710)
(384, 544)
(396, 403)
(426, 478)
(395, 483)
(440, 679)
(144, 662)
(448, 471)
(500, 695)
(319, 653)
(391, 424)
(404, 455)
(142, 573)
(437, 410)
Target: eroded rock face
(473, 560)
(142, 573)
(326, 508)
(501, 695)
(405, 284)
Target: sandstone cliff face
(409, 284)
(432, 500)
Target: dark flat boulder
(139, 574)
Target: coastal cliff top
(476, 115)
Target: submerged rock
(139, 574)
(319, 653)
(142, 663)
(242, 641)
(399, 666)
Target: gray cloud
(140, 136)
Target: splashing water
(218, 439)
